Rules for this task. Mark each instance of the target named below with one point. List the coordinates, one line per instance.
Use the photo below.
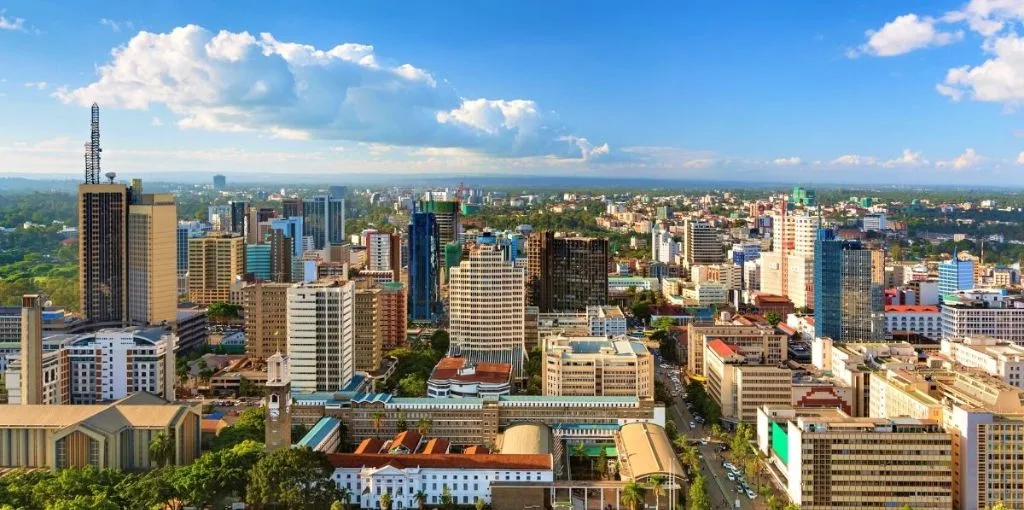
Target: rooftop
(459, 370)
(911, 308)
(442, 461)
(319, 432)
(721, 348)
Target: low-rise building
(923, 320)
(596, 366)
(457, 377)
(740, 387)
(983, 312)
(997, 357)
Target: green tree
(632, 495)
(671, 430)
(385, 501)
(402, 425)
(250, 426)
(97, 502)
(413, 385)
(88, 485)
(447, 500)
(688, 457)
(698, 494)
(151, 489)
(423, 426)
(657, 486)
(642, 311)
(337, 505)
(663, 323)
(773, 318)
(480, 504)
(292, 478)
(421, 499)
(344, 497)
(161, 449)
(439, 342)
(602, 462)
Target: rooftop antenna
(93, 150)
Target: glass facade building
(424, 248)
(955, 274)
(848, 300)
(323, 219)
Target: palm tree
(657, 486)
(421, 498)
(688, 457)
(161, 449)
(632, 494)
(345, 496)
(480, 505)
(385, 501)
(424, 426)
(378, 420)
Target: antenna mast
(92, 149)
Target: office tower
(257, 261)
(214, 262)
(446, 213)
(848, 300)
(31, 349)
(321, 335)
(102, 252)
(383, 252)
(566, 273)
(337, 191)
(239, 215)
(323, 219)
(805, 197)
(291, 207)
(182, 260)
(424, 245)
(152, 257)
(280, 256)
(266, 319)
(596, 366)
(487, 308)
(257, 224)
(291, 227)
(279, 403)
(393, 317)
(788, 270)
(955, 274)
(452, 256)
(702, 243)
(367, 343)
(219, 182)
(219, 217)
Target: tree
(161, 450)
(413, 385)
(773, 318)
(378, 420)
(671, 430)
(698, 494)
(385, 501)
(337, 505)
(218, 475)
(439, 342)
(632, 495)
(402, 425)
(657, 486)
(447, 500)
(151, 489)
(663, 323)
(344, 498)
(791, 506)
(250, 426)
(642, 311)
(421, 499)
(602, 462)
(423, 426)
(480, 504)
(716, 432)
(292, 478)
(688, 457)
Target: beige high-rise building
(760, 344)
(596, 366)
(103, 252)
(740, 387)
(368, 337)
(829, 460)
(487, 309)
(321, 328)
(32, 349)
(702, 243)
(214, 261)
(788, 270)
(152, 258)
(266, 319)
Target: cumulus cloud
(854, 160)
(790, 161)
(235, 81)
(968, 159)
(1020, 158)
(116, 26)
(156, 122)
(999, 79)
(909, 158)
(11, 23)
(905, 34)
(988, 17)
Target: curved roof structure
(645, 450)
(526, 439)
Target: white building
(321, 335)
(924, 320)
(487, 309)
(702, 243)
(606, 321)
(983, 312)
(664, 248)
(874, 222)
(458, 378)
(379, 250)
(997, 357)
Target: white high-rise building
(321, 335)
(379, 251)
(788, 270)
(663, 247)
(487, 309)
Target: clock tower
(279, 403)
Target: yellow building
(214, 262)
(113, 435)
(739, 387)
(152, 259)
(266, 319)
(368, 335)
(597, 366)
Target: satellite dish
(110, 176)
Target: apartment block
(266, 319)
(739, 387)
(393, 319)
(321, 331)
(596, 366)
(996, 357)
(367, 345)
(759, 344)
(214, 262)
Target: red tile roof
(441, 461)
(721, 348)
(912, 308)
(489, 373)
(476, 450)
(435, 446)
(771, 298)
(410, 439)
(786, 329)
(369, 445)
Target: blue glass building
(424, 251)
(848, 302)
(955, 274)
(257, 261)
(292, 228)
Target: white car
(693, 425)
(730, 477)
(751, 495)
(703, 442)
(729, 466)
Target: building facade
(923, 320)
(955, 275)
(702, 243)
(596, 366)
(152, 258)
(848, 302)
(424, 282)
(323, 220)
(983, 312)
(265, 307)
(459, 378)
(760, 344)
(567, 273)
(214, 262)
(321, 335)
(740, 387)
(103, 252)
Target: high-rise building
(337, 191)
(323, 219)
(848, 300)
(983, 312)
(291, 227)
(219, 182)
(393, 317)
(291, 207)
(257, 261)
(383, 251)
(702, 243)
(487, 309)
(664, 247)
(31, 349)
(103, 252)
(788, 270)
(424, 294)
(280, 256)
(740, 386)
(239, 216)
(321, 329)
(804, 197)
(152, 258)
(266, 319)
(955, 274)
(367, 343)
(183, 235)
(219, 217)
(446, 213)
(567, 273)
(214, 262)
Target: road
(723, 492)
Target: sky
(873, 91)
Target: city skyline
(905, 94)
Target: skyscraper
(257, 261)
(102, 246)
(291, 207)
(31, 349)
(281, 252)
(213, 263)
(848, 301)
(368, 348)
(323, 219)
(702, 243)
(219, 182)
(956, 274)
(152, 257)
(423, 267)
(446, 212)
(291, 227)
(239, 213)
(266, 319)
(321, 335)
(566, 274)
(382, 252)
(487, 309)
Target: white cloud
(968, 159)
(999, 79)
(239, 82)
(790, 161)
(1020, 158)
(156, 122)
(116, 26)
(909, 158)
(988, 17)
(36, 85)
(905, 34)
(854, 160)
(11, 23)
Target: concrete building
(393, 319)
(983, 312)
(874, 222)
(31, 383)
(103, 252)
(459, 378)
(996, 357)
(214, 262)
(383, 252)
(321, 335)
(831, 460)
(607, 321)
(923, 320)
(566, 274)
(265, 307)
(367, 338)
(739, 387)
(114, 436)
(702, 243)
(152, 258)
(257, 261)
(487, 309)
(596, 366)
(955, 275)
(760, 344)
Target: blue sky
(872, 91)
